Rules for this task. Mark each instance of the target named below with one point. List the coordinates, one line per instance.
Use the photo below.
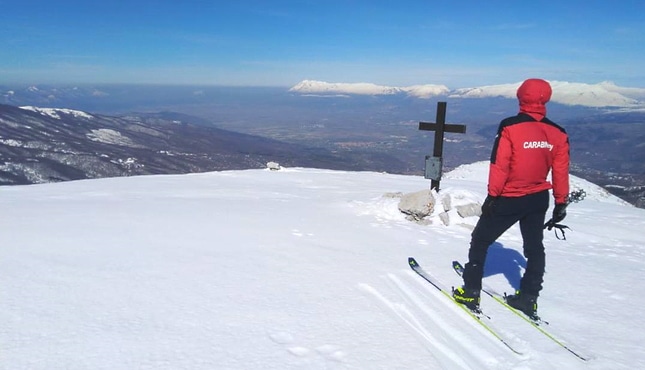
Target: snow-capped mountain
(298, 268)
(604, 94)
(56, 112)
(320, 87)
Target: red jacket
(527, 147)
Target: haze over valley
(318, 124)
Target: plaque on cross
(434, 163)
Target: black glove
(559, 213)
(489, 205)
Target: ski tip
(412, 261)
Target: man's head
(533, 95)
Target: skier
(527, 146)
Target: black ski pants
(530, 211)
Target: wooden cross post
(434, 163)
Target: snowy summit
(604, 94)
(320, 87)
(56, 112)
(298, 268)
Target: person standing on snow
(526, 148)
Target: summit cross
(434, 163)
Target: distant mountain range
(604, 94)
(137, 130)
(40, 145)
(114, 98)
(320, 87)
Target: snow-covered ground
(56, 112)
(296, 269)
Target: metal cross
(434, 163)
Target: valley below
(183, 130)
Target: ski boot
(468, 297)
(526, 303)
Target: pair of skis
(484, 320)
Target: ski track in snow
(444, 355)
(424, 311)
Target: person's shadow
(506, 261)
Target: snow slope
(56, 112)
(295, 269)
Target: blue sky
(279, 43)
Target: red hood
(533, 95)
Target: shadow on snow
(506, 261)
